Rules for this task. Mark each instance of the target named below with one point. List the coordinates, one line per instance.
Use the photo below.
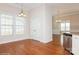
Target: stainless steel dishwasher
(67, 41)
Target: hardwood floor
(33, 47)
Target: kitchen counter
(73, 33)
(67, 34)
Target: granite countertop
(76, 33)
(72, 33)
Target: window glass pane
(6, 30)
(65, 26)
(6, 16)
(62, 26)
(20, 21)
(6, 27)
(6, 20)
(19, 29)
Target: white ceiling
(65, 7)
(26, 6)
(56, 7)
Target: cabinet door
(75, 44)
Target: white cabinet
(75, 44)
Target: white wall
(41, 24)
(48, 24)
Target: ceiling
(56, 7)
(26, 6)
(65, 7)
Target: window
(20, 23)
(11, 25)
(6, 25)
(62, 26)
(65, 26)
